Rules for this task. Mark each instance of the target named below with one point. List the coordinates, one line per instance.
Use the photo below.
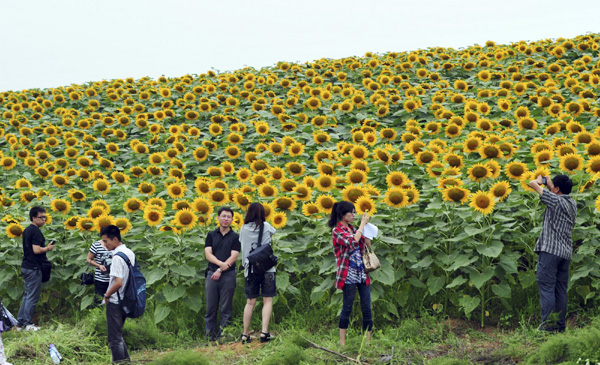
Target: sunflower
(593, 165)
(202, 206)
(310, 209)
(472, 144)
(325, 183)
(482, 202)
(124, 225)
(186, 219)
(593, 148)
(96, 211)
(397, 179)
(413, 195)
(146, 188)
(488, 150)
(28, 196)
(543, 158)
(279, 220)
(153, 216)
(396, 197)
(102, 186)
(571, 162)
(478, 172)
(355, 176)
(353, 192)
(103, 221)
(454, 160)
(200, 154)
(313, 103)
(14, 230)
(515, 170)
(364, 204)
(500, 190)
(455, 194)
(302, 192)
(158, 203)
(566, 149)
(176, 191)
(243, 174)
(434, 169)
(218, 196)
(242, 200)
(359, 152)
(284, 203)
(60, 205)
(494, 168)
(133, 205)
(325, 203)
(71, 222)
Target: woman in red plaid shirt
(348, 245)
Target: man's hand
(106, 298)
(216, 276)
(224, 266)
(50, 247)
(102, 268)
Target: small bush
(286, 354)
(568, 347)
(182, 357)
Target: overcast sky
(50, 43)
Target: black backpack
(134, 298)
(261, 258)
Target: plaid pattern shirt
(559, 220)
(343, 245)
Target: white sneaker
(31, 327)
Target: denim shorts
(257, 283)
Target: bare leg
(266, 313)
(368, 335)
(343, 336)
(250, 303)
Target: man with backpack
(119, 277)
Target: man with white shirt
(119, 275)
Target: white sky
(50, 43)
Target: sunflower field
(437, 144)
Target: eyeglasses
(43, 217)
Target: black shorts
(254, 283)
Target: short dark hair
(256, 214)
(111, 232)
(225, 209)
(35, 211)
(564, 183)
(338, 210)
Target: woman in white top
(255, 284)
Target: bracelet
(361, 232)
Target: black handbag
(87, 278)
(261, 258)
(46, 267)
(7, 319)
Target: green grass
(420, 340)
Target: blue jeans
(553, 278)
(33, 287)
(349, 292)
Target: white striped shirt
(559, 220)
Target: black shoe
(246, 339)
(265, 337)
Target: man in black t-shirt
(34, 253)
(222, 249)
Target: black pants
(100, 289)
(115, 319)
(219, 294)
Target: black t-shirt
(222, 245)
(32, 235)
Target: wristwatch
(219, 270)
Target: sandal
(265, 337)
(245, 339)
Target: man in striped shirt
(554, 247)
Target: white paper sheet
(370, 231)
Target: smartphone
(544, 181)
(53, 242)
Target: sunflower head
(186, 219)
(482, 202)
(500, 190)
(396, 197)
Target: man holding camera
(34, 253)
(554, 247)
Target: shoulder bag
(370, 260)
(261, 258)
